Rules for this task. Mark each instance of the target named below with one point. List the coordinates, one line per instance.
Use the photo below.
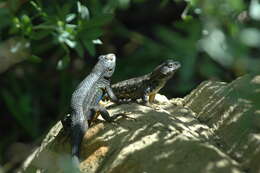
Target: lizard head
(166, 69)
(108, 63)
(169, 67)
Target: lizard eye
(110, 69)
(170, 65)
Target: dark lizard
(145, 87)
(85, 101)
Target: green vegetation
(216, 40)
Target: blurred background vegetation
(47, 47)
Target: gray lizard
(85, 101)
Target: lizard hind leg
(103, 112)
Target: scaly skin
(85, 101)
(146, 87)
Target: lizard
(145, 87)
(85, 99)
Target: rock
(161, 99)
(232, 112)
(213, 129)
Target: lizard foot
(152, 105)
(155, 107)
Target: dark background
(216, 40)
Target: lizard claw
(125, 115)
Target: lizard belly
(90, 102)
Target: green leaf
(36, 6)
(90, 34)
(67, 37)
(20, 109)
(83, 11)
(70, 43)
(35, 59)
(98, 21)
(97, 41)
(26, 25)
(79, 49)
(70, 17)
(63, 63)
(38, 35)
(25, 19)
(5, 17)
(16, 24)
(90, 47)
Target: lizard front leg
(152, 98)
(148, 98)
(145, 97)
(111, 94)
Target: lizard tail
(79, 127)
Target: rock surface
(216, 128)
